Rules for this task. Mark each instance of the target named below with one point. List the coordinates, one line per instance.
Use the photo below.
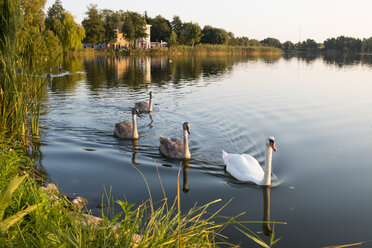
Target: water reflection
(135, 151)
(185, 172)
(266, 214)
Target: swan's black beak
(188, 129)
(272, 144)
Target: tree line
(340, 44)
(57, 32)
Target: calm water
(319, 110)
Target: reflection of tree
(345, 59)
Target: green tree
(288, 45)
(54, 13)
(191, 33)
(211, 35)
(177, 26)
(30, 32)
(160, 28)
(172, 39)
(367, 45)
(133, 26)
(93, 25)
(272, 42)
(72, 34)
(111, 24)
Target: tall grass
(19, 95)
(207, 49)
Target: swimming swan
(144, 106)
(176, 148)
(128, 130)
(246, 168)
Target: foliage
(191, 33)
(213, 35)
(18, 95)
(308, 45)
(55, 12)
(177, 26)
(343, 44)
(30, 39)
(288, 45)
(273, 42)
(133, 25)
(94, 25)
(111, 24)
(72, 33)
(172, 39)
(160, 28)
(367, 45)
(5, 199)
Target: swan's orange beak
(272, 144)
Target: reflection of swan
(176, 148)
(185, 172)
(135, 148)
(266, 217)
(128, 130)
(247, 169)
(144, 106)
(150, 115)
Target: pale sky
(257, 19)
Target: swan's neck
(134, 131)
(268, 158)
(150, 104)
(186, 150)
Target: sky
(293, 20)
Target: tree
(288, 45)
(63, 26)
(172, 39)
(191, 33)
(367, 45)
(111, 24)
(272, 42)
(177, 26)
(308, 45)
(93, 25)
(72, 33)
(160, 28)
(30, 32)
(254, 42)
(211, 35)
(133, 26)
(54, 13)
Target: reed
(207, 49)
(20, 95)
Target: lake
(319, 109)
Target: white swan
(127, 130)
(246, 168)
(144, 106)
(176, 148)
